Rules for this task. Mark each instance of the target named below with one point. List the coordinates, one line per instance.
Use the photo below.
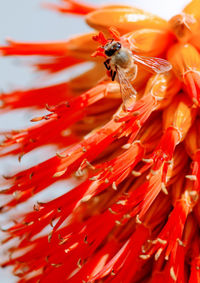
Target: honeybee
(121, 64)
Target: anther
(157, 255)
(50, 236)
(172, 274)
(163, 188)
(138, 124)
(147, 160)
(85, 239)
(159, 240)
(59, 173)
(137, 219)
(112, 211)
(79, 173)
(90, 165)
(180, 242)
(126, 146)
(86, 198)
(94, 178)
(60, 155)
(144, 256)
(114, 187)
(79, 263)
(136, 113)
(122, 202)
(136, 173)
(191, 177)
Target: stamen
(114, 187)
(144, 256)
(157, 255)
(172, 274)
(86, 198)
(137, 219)
(79, 263)
(147, 160)
(112, 211)
(180, 242)
(126, 146)
(164, 189)
(94, 178)
(59, 173)
(136, 173)
(191, 177)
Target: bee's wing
(127, 91)
(154, 64)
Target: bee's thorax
(122, 58)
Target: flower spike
(132, 168)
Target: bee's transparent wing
(127, 91)
(154, 64)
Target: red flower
(133, 214)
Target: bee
(121, 64)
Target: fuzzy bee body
(121, 65)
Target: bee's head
(108, 46)
(111, 47)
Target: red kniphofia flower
(133, 214)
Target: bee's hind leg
(113, 75)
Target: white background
(26, 20)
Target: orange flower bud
(80, 47)
(149, 42)
(124, 19)
(185, 60)
(183, 25)
(179, 115)
(178, 163)
(192, 141)
(163, 87)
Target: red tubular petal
(121, 263)
(38, 97)
(24, 48)
(76, 109)
(166, 148)
(58, 64)
(196, 170)
(174, 228)
(72, 7)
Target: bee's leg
(113, 75)
(134, 72)
(106, 63)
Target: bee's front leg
(106, 64)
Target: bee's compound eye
(118, 45)
(112, 49)
(110, 52)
